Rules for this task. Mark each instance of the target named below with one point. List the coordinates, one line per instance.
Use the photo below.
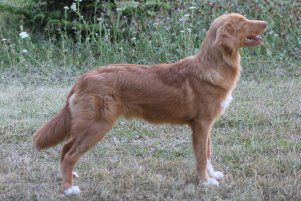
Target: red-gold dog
(193, 91)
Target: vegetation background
(46, 44)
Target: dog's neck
(218, 68)
(233, 60)
(212, 55)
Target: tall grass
(163, 37)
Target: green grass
(165, 37)
(257, 142)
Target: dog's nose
(264, 24)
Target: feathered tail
(53, 131)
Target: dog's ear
(225, 39)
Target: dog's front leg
(200, 134)
(211, 172)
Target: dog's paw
(74, 190)
(216, 174)
(74, 174)
(210, 182)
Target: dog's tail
(53, 131)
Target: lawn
(256, 143)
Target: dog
(193, 91)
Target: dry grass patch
(257, 144)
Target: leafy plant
(89, 33)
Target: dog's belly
(160, 113)
(163, 117)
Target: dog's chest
(226, 102)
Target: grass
(165, 37)
(257, 143)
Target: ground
(256, 144)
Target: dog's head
(232, 31)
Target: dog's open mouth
(253, 40)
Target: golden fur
(190, 91)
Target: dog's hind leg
(210, 170)
(64, 150)
(84, 135)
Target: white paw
(75, 174)
(210, 182)
(216, 175)
(212, 173)
(74, 190)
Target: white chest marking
(226, 102)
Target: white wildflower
(4, 39)
(73, 7)
(189, 30)
(23, 34)
(182, 19)
(87, 38)
(135, 3)
(192, 7)
(118, 9)
(66, 7)
(187, 15)
(182, 31)
(24, 51)
(106, 38)
(133, 38)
